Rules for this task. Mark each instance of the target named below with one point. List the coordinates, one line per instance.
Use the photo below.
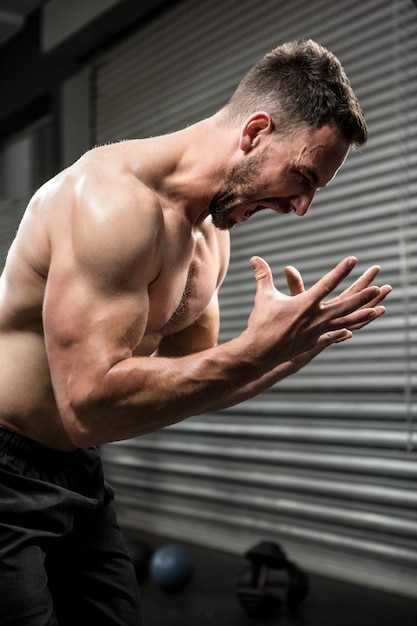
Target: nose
(301, 203)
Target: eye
(304, 180)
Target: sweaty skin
(108, 302)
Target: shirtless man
(109, 317)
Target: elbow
(80, 417)
(79, 435)
(88, 404)
(79, 429)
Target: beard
(240, 185)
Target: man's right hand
(281, 326)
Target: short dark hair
(300, 82)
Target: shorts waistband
(22, 446)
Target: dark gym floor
(210, 598)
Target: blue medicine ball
(171, 568)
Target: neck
(185, 167)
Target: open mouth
(251, 212)
(280, 207)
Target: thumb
(294, 280)
(262, 272)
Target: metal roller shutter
(323, 462)
(26, 161)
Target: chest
(183, 289)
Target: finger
(384, 291)
(263, 274)
(294, 280)
(360, 318)
(379, 310)
(335, 336)
(363, 281)
(340, 309)
(332, 279)
(353, 303)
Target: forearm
(281, 371)
(142, 394)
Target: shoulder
(104, 180)
(114, 221)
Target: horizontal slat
(262, 476)
(357, 436)
(305, 456)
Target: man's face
(282, 175)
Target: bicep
(88, 331)
(96, 307)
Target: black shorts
(63, 559)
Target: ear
(257, 124)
